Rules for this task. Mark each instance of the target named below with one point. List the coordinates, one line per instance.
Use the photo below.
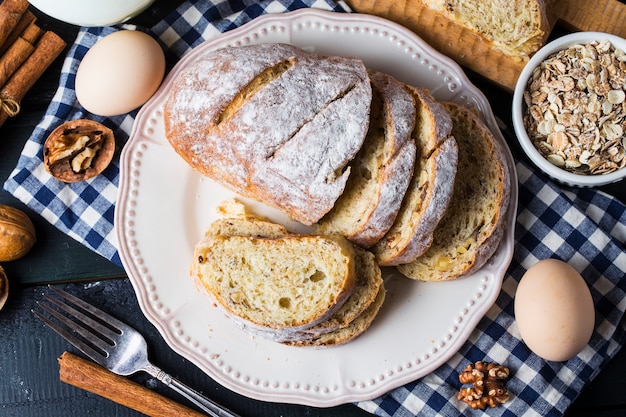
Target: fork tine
(83, 347)
(107, 332)
(91, 309)
(77, 322)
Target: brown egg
(554, 310)
(119, 73)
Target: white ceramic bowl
(92, 12)
(519, 107)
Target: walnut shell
(63, 148)
(17, 233)
(4, 287)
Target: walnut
(4, 287)
(17, 233)
(78, 150)
(487, 388)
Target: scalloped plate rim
(165, 319)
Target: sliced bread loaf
(516, 27)
(271, 122)
(431, 186)
(291, 282)
(382, 169)
(473, 225)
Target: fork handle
(210, 407)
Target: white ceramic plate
(164, 207)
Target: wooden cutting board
(471, 51)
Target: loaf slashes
(272, 122)
(348, 150)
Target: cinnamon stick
(46, 50)
(27, 19)
(11, 12)
(87, 375)
(32, 33)
(13, 58)
(18, 51)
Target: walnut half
(78, 150)
(487, 388)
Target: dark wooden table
(29, 384)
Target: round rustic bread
(272, 122)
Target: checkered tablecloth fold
(584, 227)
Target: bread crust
(381, 171)
(516, 27)
(272, 122)
(242, 274)
(474, 224)
(238, 221)
(345, 334)
(430, 190)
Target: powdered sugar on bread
(272, 122)
(382, 169)
(430, 190)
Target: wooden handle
(87, 375)
(596, 16)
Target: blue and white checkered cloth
(584, 227)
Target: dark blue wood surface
(29, 383)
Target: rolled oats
(576, 108)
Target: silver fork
(113, 344)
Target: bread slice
(291, 282)
(431, 186)
(271, 122)
(382, 169)
(516, 27)
(474, 223)
(369, 283)
(237, 220)
(348, 322)
(350, 332)
(252, 226)
(240, 222)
